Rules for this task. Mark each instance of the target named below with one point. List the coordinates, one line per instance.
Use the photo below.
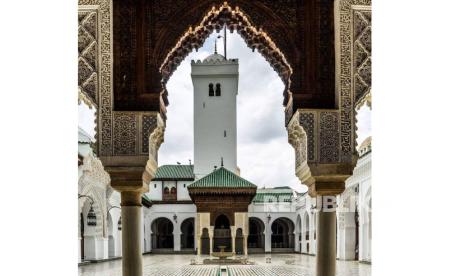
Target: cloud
(87, 119)
(363, 124)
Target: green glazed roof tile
(278, 194)
(175, 172)
(222, 178)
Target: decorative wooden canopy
(222, 192)
(151, 38)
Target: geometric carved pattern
(125, 130)
(346, 61)
(88, 54)
(362, 53)
(104, 67)
(149, 123)
(307, 121)
(329, 137)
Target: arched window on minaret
(218, 90)
(211, 93)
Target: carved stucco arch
(94, 182)
(235, 19)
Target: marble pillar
(326, 249)
(131, 211)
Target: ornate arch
(235, 19)
(260, 222)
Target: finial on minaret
(215, 48)
(225, 42)
(221, 161)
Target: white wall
(156, 193)
(215, 115)
(183, 193)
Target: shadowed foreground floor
(179, 265)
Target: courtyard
(174, 265)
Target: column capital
(131, 198)
(324, 179)
(128, 179)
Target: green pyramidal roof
(175, 172)
(221, 178)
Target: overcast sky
(264, 155)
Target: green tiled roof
(222, 178)
(278, 194)
(175, 172)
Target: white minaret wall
(213, 115)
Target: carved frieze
(103, 57)
(88, 54)
(361, 52)
(353, 63)
(315, 136)
(125, 133)
(328, 137)
(149, 123)
(307, 121)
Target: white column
(199, 245)
(102, 248)
(268, 237)
(118, 244)
(233, 244)
(177, 238)
(90, 248)
(211, 231)
(79, 251)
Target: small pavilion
(222, 199)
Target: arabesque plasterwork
(346, 65)
(118, 133)
(104, 56)
(94, 182)
(88, 66)
(330, 137)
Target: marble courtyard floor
(180, 265)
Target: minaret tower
(215, 81)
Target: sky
(264, 155)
